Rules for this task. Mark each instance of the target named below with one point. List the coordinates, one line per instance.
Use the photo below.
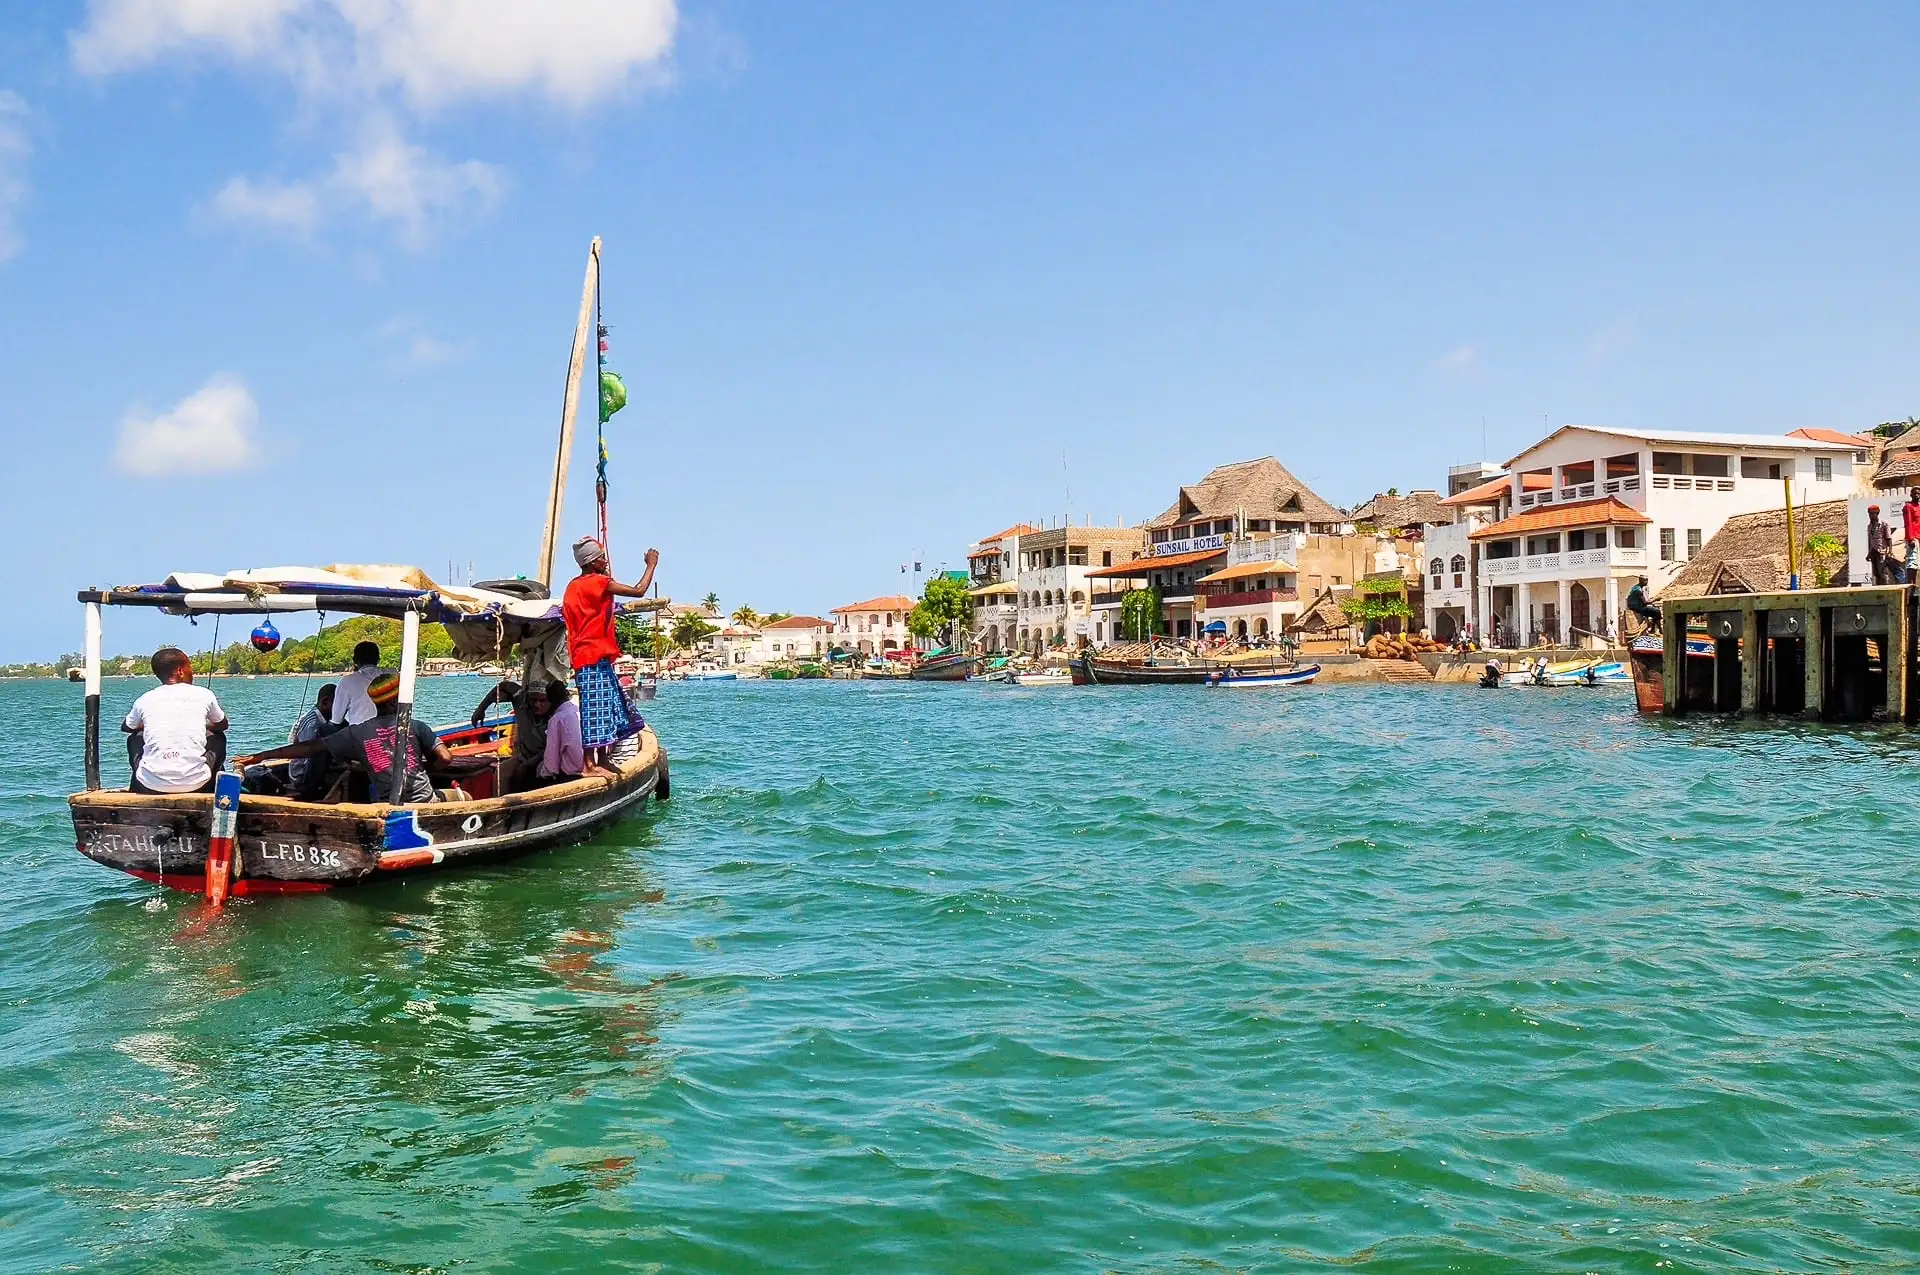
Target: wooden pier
(1840, 655)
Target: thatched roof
(1749, 553)
(1262, 488)
(1323, 616)
(1404, 513)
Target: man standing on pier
(1910, 520)
(1879, 547)
(605, 715)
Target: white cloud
(386, 179)
(1460, 359)
(1613, 340)
(363, 65)
(211, 431)
(288, 206)
(429, 52)
(16, 147)
(413, 346)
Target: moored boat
(1236, 680)
(947, 666)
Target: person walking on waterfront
(605, 713)
(1879, 547)
(1910, 524)
(176, 732)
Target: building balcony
(1107, 600)
(1246, 598)
(1571, 564)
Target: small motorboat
(1235, 680)
(709, 675)
(1044, 677)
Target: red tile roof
(1576, 513)
(1017, 529)
(893, 603)
(1831, 436)
(1140, 566)
(1485, 494)
(800, 622)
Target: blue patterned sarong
(605, 714)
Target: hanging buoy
(266, 638)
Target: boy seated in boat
(176, 732)
(377, 745)
(606, 716)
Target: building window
(1693, 542)
(1625, 537)
(1823, 469)
(1668, 463)
(1710, 466)
(1760, 467)
(1435, 568)
(1459, 562)
(1106, 557)
(1666, 544)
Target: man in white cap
(605, 715)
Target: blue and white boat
(1234, 680)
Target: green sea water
(954, 978)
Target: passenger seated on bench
(565, 758)
(529, 729)
(1637, 603)
(308, 776)
(377, 744)
(176, 732)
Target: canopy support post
(93, 696)
(409, 662)
(563, 457)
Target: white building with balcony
(1054, 592)
(1590, 509)
(875, 626)
(798, 637)
(992, 565)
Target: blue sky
(872, 269)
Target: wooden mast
(563, 457)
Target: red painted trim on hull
(196, 883)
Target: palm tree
(746, 617)
(712, 603)
(689, 630)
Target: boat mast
(563, 457)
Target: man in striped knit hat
(605, 715)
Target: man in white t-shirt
(350, 702)
(180, 728)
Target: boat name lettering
(294, 852)
(139, 843)
(1190, 545)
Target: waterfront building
(797, 637)
(1052, 593)
(1452, 578)
(1250, 513)
(736, 645)
(875, 626)
(1588, 509)
(1476, 474)
(992, 566)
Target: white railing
(1617, 485)
(1582, 492)
(1573, 562)
(1587, 558)
(1501, 566)
(1542, 561)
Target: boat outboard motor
(1491, 678)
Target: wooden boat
(950, 666)
(1044, 677)
(1171, 668)
(1647, 664)
(1571, 673)
(283, 846)
(235, 843)
(1236, 680)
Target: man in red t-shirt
(605, 715)
(1910, 517)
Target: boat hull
(1255, 681)
(293, 847)
(955, 668)
(1128, 673)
